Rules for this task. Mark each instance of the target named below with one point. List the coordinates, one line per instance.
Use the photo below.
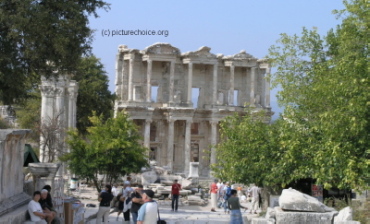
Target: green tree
(325, 131)
(247, 143)
(93, 92)
(325, 85)
(111, 148)
(39, 36)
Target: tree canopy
(111, 148)
(326, 93)
(38, 36)
(93, 92)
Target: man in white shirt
(114, 190)
(254, 191)
(35, 210)
(148, 211)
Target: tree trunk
(96, 184)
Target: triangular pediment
(162, 49)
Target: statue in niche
(177, 96)
(220, 98)
(257, 100)
(165, 68)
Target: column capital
(148, 121)
(171, 120)
(213, 122)
(189, 122)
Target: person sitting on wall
(47, 205)
(35, 210)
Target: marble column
(118, 68)
(47, 89)
(190, 83)
(130, 75)
(148, 81)
(171, 123)
(172, 80)
(213, 143)
(267, 87)
(187, 146)
(124, 95)
(147, 134)
(214, 88)
(253, 83)
(72, 99)
(231, 90)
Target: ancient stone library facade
(178, 99)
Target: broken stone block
(347, 222)
(270, 213)
(195, 200)
(263, 221)
(294, 200)
(344, 215)
(295, 217)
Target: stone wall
(11, 170)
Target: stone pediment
(242, 55)
(201, 53)
(161, 49)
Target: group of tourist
(224, 195)
(41, 209)
(136, 203)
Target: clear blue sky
(225, 26)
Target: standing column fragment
(187, 146)
(148, 81)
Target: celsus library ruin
(178, 99)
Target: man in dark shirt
(137, 201)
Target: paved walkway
(186, 214)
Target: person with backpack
(227, 195)
(105, 198)
(126, 199)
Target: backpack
(228, 192)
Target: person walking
(148, 211)
(126, 198)
(213, 191)
(105, 198)
(175, 192)
(254, 191)
(234, 206)
(227, 195)
(137, 201)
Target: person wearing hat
(148, 211)
(46, 205)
